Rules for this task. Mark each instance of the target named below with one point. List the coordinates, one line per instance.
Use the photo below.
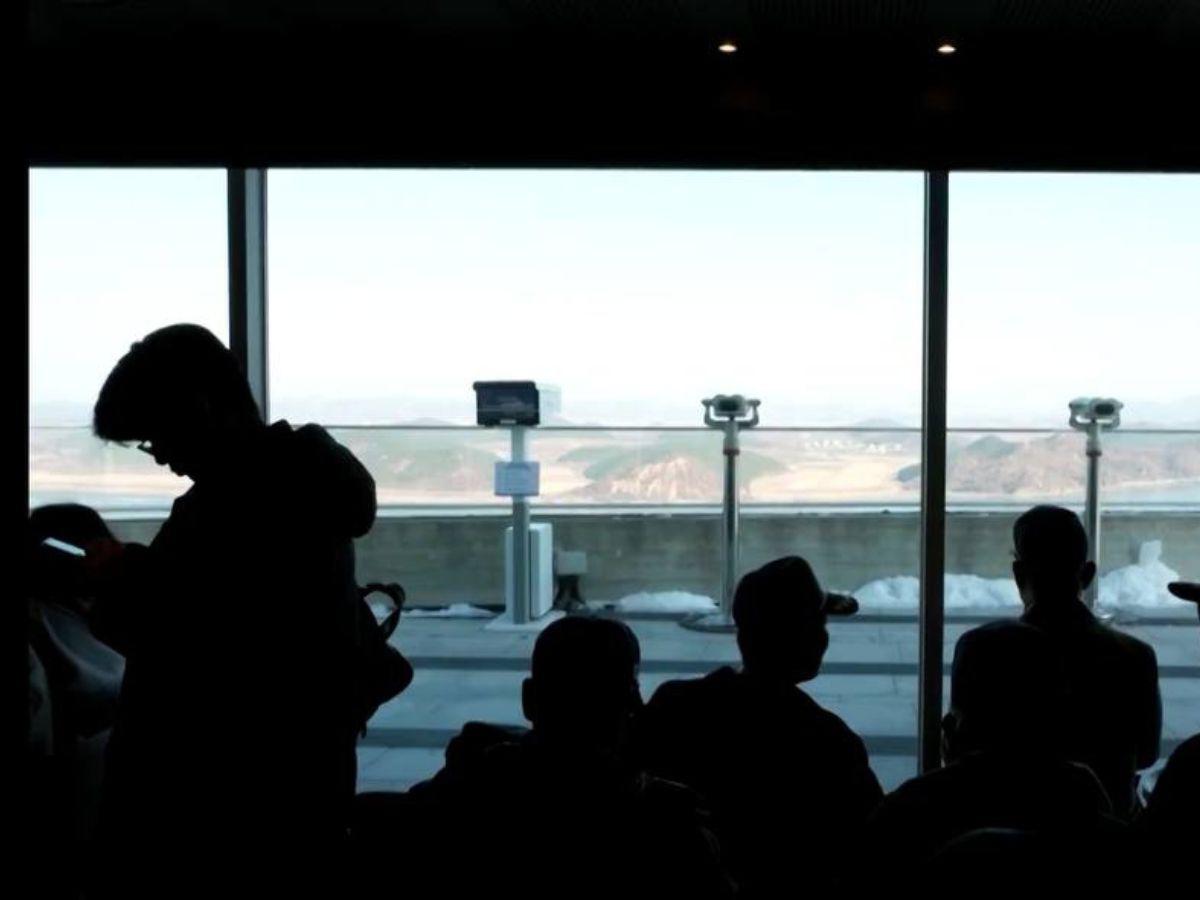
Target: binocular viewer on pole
(722, 409)
(1101, 412)
(1094, 415)
(730, 413)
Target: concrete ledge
(453, 556)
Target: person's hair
(1007, 684)
(583, 664)
(143, 393)
(71, 522)
(783, 586)
(1051, 544)
(584, 645)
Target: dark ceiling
(1050, 84)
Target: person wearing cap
(1171, 820)
(1114, 718)
(788, 782)
(1007, 768)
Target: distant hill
(453, 461)
(1056, 464)
(681, 467)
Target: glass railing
(417, 466)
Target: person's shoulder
(1132, 648)
(918, 793)
(1083, 783)
(283, 434)
(1188, 750)
(670, 796)
(831, 724)
(1183, 763)
(688, 691)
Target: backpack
(381, 672)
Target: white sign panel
(517, 479)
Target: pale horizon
(637, 292)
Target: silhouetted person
(991, 862)
(1114, 717)
(563, 810)
(788, 782)
(1007, 765)
(235, 731)
(1171, 820)
(83, 674)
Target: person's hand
(104, 560)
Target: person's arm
(120, 576)
(849, 759)
(339, 491)
(1149, 709)
(654, 730)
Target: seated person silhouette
(84, 674)
(787, 781)
(994, 861)
(1114, 717)
(1171, 820)
(1006, 762)
(237, 622)
(562, 809)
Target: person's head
(583, 682)
(1050, 550)
(780, 614)
(179, 391)
(57, 577)
(1007, 691)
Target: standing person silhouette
(1113, 718)
(233, 732)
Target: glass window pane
(113, 254)
(634, 294)
(1066, 286)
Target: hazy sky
(638, 292)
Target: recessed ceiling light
(947, 49)
(727, 47)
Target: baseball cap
(787, 583)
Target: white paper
(517, 479)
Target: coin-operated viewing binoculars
(1093, 415)
(730, 413)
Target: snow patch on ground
(453, 611)
(963, 592)
(1141, 586)
(666, 602)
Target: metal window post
(522, 607)
(933, 467)
(247, 196)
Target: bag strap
(396, 594)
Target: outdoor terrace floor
(465, 671)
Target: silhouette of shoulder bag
(383, 672)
